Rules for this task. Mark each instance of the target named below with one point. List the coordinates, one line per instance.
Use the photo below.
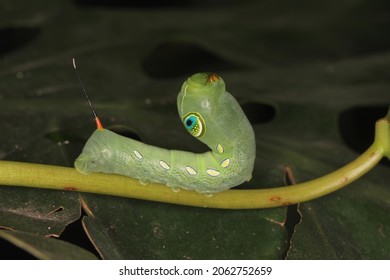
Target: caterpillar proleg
(210, 114)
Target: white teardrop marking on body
(213, 172)
(225, 163)
(164, 165)
(138, 154)
(191, 170)
(220, 148)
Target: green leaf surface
(313, 78)
(46, 213)
(132, 229)
(44, 247)
(350, 224)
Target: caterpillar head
(96, 153)
(82, 164)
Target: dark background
(312, 76)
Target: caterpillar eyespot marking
(194, 124)
(209, 113)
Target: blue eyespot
(190, 122)
(194, 124)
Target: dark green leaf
(129, 229)
(313, 78)
(44, 247)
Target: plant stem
(65, 178)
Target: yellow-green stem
(64, 178)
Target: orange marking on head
(275, 198)
(212, 78)
(99, 124)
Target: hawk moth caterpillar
(210, 114)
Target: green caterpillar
(210, 114)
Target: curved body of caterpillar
(210, 114)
